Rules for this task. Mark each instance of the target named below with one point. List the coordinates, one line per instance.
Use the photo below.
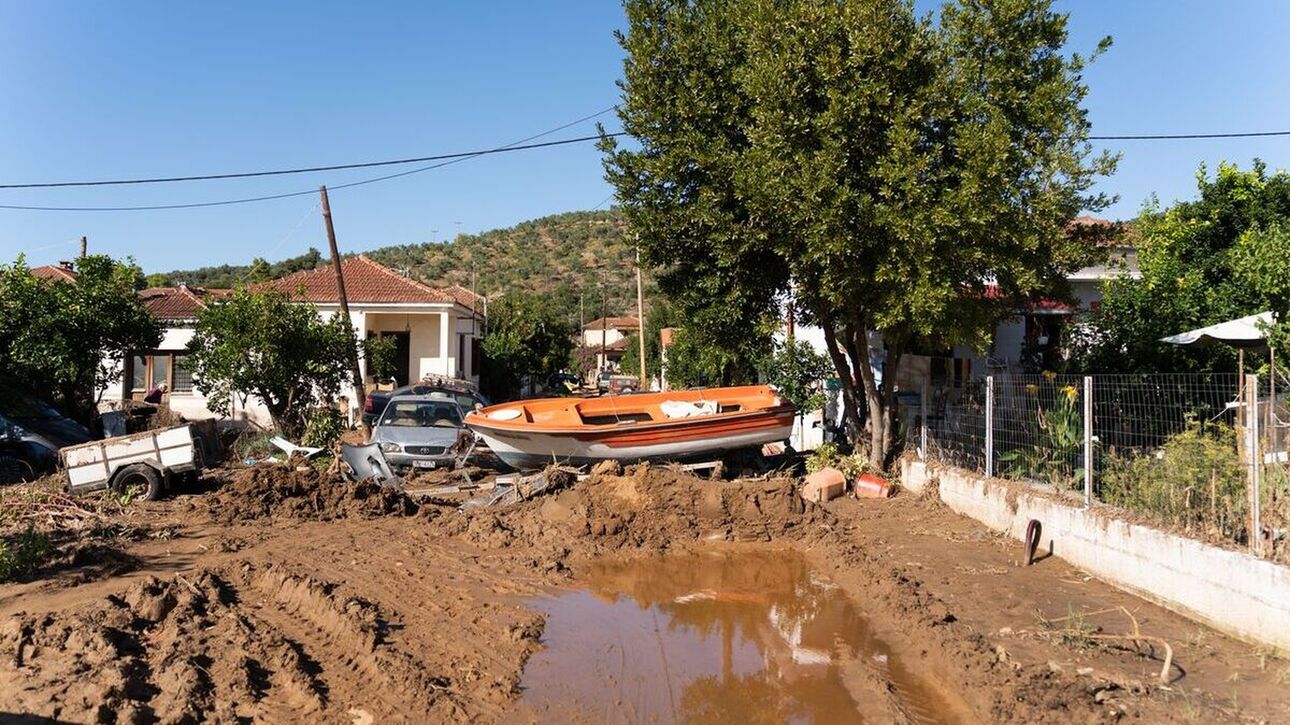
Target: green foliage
(62, 339)
(1214, 258)
(1058, 435)
(883, 168)
(529, 335)
(797, 371)
(231, 275)
(381, 353)
(828, 455)
(695, 361)
(559, 257)
(323, 427)
(23, 553)
(1195, 481)
(282, 352)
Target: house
(436, 331)
(607, 339)
(64, 271)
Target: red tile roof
(55, 273)
(470, 300)
(365, 281)
(177, 303)
(613, 323)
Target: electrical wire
(1174, 136)
(336, 167)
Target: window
(181, 376)
(147, 371)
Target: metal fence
(1204, 454)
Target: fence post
(1088, 440)
(922, 417)
(989, 426)
(1255, 460)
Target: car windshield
(421, 414)
(27, 407)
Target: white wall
(591, 338)
(1230, 590)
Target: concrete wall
(1231, 591)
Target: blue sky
(97, 90)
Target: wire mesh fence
(1180, 450)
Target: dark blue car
(31, 432)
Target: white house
(606, 338)
(436, 331)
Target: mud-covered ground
(277, 595)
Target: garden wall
(1231, 591)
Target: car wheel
(140, 475)
(14, 469)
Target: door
(402, 356)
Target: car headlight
(391, 448)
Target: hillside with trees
(559, 257)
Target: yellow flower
(1049, 375)
(1071, 392)
(1031, 388)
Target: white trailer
(148, 460)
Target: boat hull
(629, 436)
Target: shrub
(1195, 480)
(23, 553)
(322, 428)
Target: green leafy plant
(1195, 481)
(1059, 442)
(380, 352)
(23, 553)
(323, 427)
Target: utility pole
(640, 315)
(360, 395)
(604, 324)
(85, 243)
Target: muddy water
(715, 637)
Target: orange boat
(672, 426)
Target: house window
(147, 371)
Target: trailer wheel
(142, 475)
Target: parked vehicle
(419, 431)
(671, 426)
(31, 432)
(149, 461)
(623, 384)
(466, 398)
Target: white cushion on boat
(685, 409)
(505, 414)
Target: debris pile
(273, 491)
(648, 508)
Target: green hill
(562, 255)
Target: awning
(1246, 332)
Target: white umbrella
(1244, 332)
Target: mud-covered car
(418, 431)
(31, 432)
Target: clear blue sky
(107, 90)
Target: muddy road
(641, 596)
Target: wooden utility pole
(85, 244)
(360, 395)
(640, 316)
(604, 324)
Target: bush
(828, 455)
(1195, 481)
(23, 553)
(323, 427)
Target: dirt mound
(649, 509)
(186, 650)
(269, 492)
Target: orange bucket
(868, 485)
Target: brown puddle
(714, 637)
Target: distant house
(607, 338)
(436, 331)
(64, 271)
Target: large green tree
(281, 351)
(66, 340)
(1217, 257)
(885, 168)
(529, 336)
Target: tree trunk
(846, 379)
(859, 336)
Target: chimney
(67, 265)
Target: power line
(1171, 136)
(312, 169)
(452, 159)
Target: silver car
(418, 431)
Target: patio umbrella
(1246, 332)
